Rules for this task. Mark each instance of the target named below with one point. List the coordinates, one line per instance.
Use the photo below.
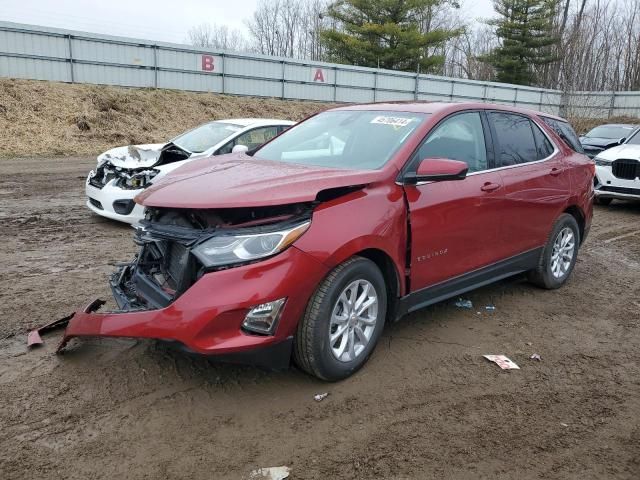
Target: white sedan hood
(133, 156)
(631, 152)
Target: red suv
(305, 247)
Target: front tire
(558, 258)
(343, 321)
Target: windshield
(205, 136)
(635, 140)
(356, 140)
(610, 131)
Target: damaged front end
(177, 247)
(125, 178)
(236, 313)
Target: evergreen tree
(386, 34)
(525, 28)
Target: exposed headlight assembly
(602, 162)
(232, 249)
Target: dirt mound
(50, 118)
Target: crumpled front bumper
(207, 318)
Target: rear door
(454, 224)
(535, 177)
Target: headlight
(602, 162)
(231, 249)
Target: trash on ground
(528, 344)
(490, 308)
(321, 396)
(502, 361)
(564, 424)
(535, 356)
(270, 473)
(464, 303)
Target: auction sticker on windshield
(393, 121)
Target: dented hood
(238, 180)
(133, 156)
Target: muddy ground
(427, 405)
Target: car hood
(598, 142)
(133, 156)
(238, 180)
(621, 151)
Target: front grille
(626, 169)
(95, 203)
(628, 191)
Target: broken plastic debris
(464, 303)
(502, 361)
(535, 356)
(564, 424)
(321, 396)
(270, 473)
(490, 308)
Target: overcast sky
(151, 19)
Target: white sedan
(123, 172)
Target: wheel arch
(391, 276)
(577, 213)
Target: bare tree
(221, 37)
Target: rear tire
(343, 321)
(558, 257)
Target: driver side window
(460, 137)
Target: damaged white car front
(123, 172)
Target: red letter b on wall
(207, 63)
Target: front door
(454, 224)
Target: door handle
(555, 171)
(490, 187)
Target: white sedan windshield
(205, 136)
(350, 139)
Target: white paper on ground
(502, 361)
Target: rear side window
(516, 141)
(565, 132)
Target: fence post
(484, 93)
(416, 92)
(70, 58)
(335, 84)
(283, 69)
(453, 84)
(612, 105)
(540, 105)
(375, 85)
(224, 67)
(155, 66)
(515, 97)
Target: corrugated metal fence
(43, 53)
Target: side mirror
(239, 149)
(438, 170)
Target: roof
(250, 122)
(440, 107)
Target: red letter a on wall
(319, 76)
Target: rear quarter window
(565, 132)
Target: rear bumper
(207, 318)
